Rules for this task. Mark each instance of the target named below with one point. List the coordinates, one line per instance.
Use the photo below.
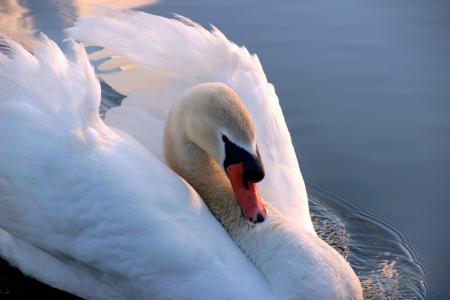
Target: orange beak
(247, 194)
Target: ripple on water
(378, 252)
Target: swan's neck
(208, 179)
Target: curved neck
(205, 175)
(200, 170)
(257, 242)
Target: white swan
(89, 209)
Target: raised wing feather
(159, 58)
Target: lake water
(365, 89)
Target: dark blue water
(365, 89)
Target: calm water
(365, 89)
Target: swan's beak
(247, 194)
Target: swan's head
(217, 121)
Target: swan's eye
(253, 167)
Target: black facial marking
(253, 167)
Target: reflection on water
(17, 17)
(15, 23)
(88, 7)
(378, 252)
(364, 87)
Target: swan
(116, 209)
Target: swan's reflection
(87, 7)
(16, 22)
(21, 20)
(388, 268)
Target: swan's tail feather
(48, 107)
(48, 102)
(49, 82)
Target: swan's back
(96, 214)
(154, 59)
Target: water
(378, 252)
(365, 88)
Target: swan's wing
(92, 212)
(153, 59)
